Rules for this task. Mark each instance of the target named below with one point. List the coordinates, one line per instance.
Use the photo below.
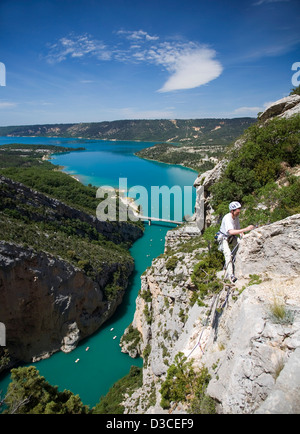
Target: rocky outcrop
(163, 312)
(47, 304)
(259, 332)
(247, 336)
(271, 249)
(283, 108)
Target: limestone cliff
(49, 301)
(47, 304)
(246, 335)
(251, 353)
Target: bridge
(156, 219)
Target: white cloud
(189, 64)
(77, 46)
(137, 35)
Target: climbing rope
(232, 259)
(215, 298)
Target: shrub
(204, 274)
(111, 403)
(29, 393)
(258, 163)
(182, 382)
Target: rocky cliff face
(259, 332)
(48, 303)
(246, 335)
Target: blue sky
(102, 60)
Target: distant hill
(190, 131)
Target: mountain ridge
(196, 131)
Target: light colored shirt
(229, 223)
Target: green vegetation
(112, 402)
(183, 384)
(279, 313)
(295, 91)
(172, 262)
(253, 174)
(29, 393)
(4, 358)
(24, 163)
(204, 274)
(132, 336)
(16, 154)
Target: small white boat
(114, 337)
(77, 360)
(111, 329)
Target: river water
(101, 362)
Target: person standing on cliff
(227, 237)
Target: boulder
(283, 108)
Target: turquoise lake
(104, 163)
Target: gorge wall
(47, 302)
(252, 356)
(246, 335)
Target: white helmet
(234, 205)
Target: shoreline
(91, 138)
(164, 162)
